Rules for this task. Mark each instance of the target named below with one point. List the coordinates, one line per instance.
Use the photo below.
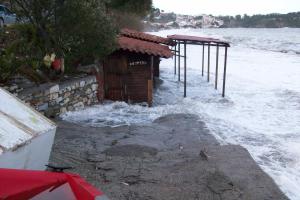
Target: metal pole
(175, 57)
(217, 68)
(179, 62)
(184, 69)
(224, 75)
(208, 63)
(203, 51)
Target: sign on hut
(129, 72)
(26, 136)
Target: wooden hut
(128, 72)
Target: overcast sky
(228, 7)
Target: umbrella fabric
(25, 184)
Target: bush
(83, 30)
(19, 49)
(78, 31)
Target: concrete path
(175, 158)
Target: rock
(78, 106)
(59, 99)
(53, 96)
(67, 94)
(70, 108)
(43, 107)
(13, 87)
(88, 91)
(95, 87)
(84, 100)
(63, 110)
(69, 88)
(50, 113)
(82, 84)
(54, 89)
(67, 100)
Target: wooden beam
(217, 68)
(184, 69)
(179, 61)
(150, 84)
(208, 63)
(175, 58)
(224, 74)
(150, 92)
(203, 52)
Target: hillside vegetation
(291, 20)
(158, 19)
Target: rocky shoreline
(174, 158)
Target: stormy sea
(261, 110)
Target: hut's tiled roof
(144, 47)
(146, 37)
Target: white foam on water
(261, 110)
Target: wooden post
(179, 62)
(184, 69)
(150, 92)
(208, 63)
(203, 52)
(175, 57)
(150, 84)
(224, 75)
(217, 68)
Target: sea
(261, 109)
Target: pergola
(202, 41)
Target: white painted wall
(26, 136)
(34, 155)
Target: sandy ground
(175, 158)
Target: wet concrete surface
(174, 158)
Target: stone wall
(53, 99)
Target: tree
(74, 29)
(139, 8)
(129, 13)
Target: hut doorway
(115, 78)
(128, 77)
(139, 74)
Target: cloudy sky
(228, 7)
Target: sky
(228, 7)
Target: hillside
(160, 20)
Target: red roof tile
(144, 47)
(146, 37)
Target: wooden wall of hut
(127, 76)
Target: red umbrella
(43, 185)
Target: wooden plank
(175, 59)
(150, 92)
(184, 69)
(224, 75)
(208, 63)
(179, 61)
(203, 52)
(217, 68)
